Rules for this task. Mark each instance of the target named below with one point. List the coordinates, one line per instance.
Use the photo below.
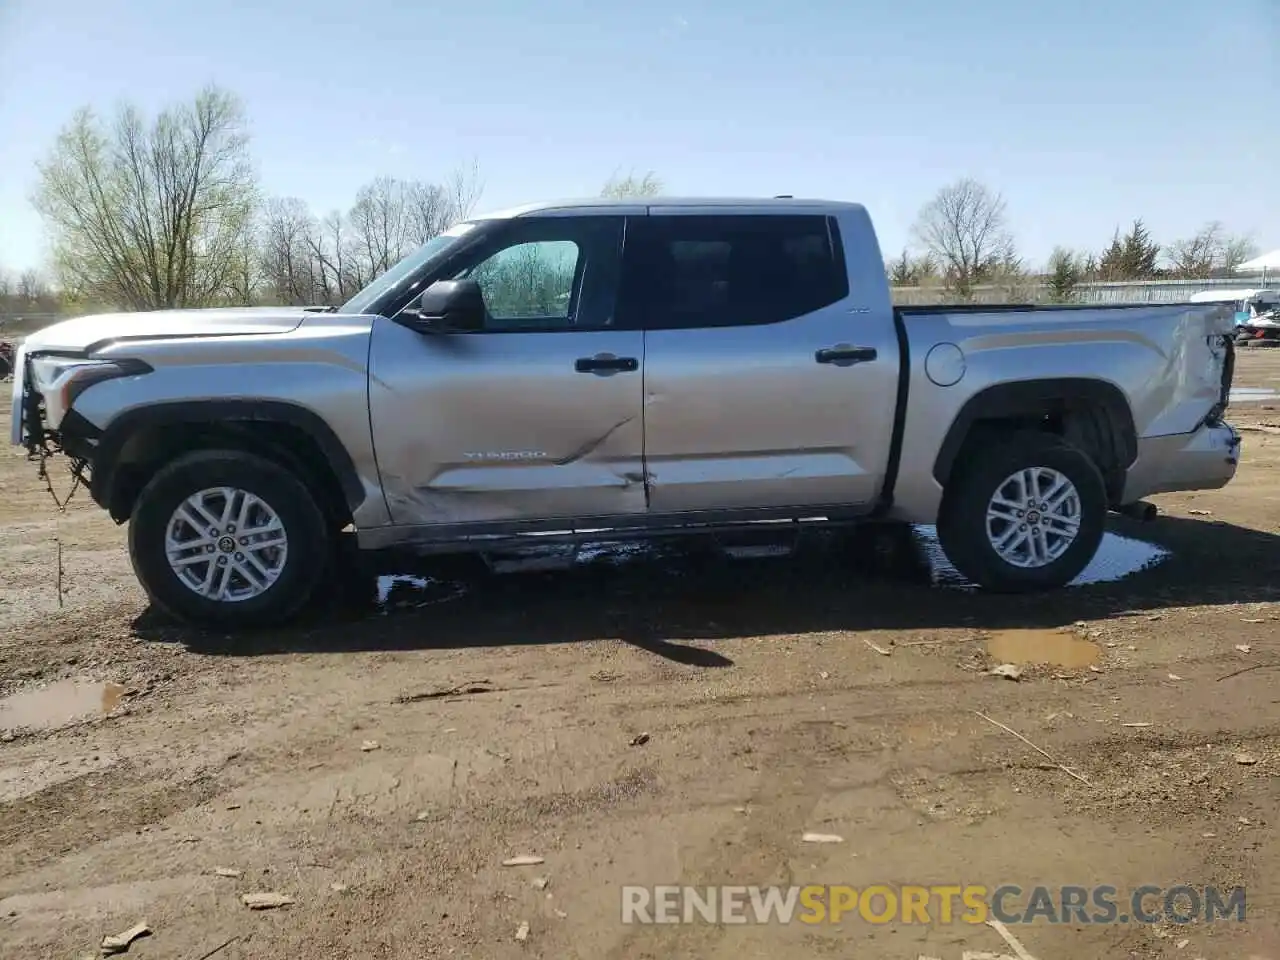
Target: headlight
(61, 379)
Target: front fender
(111, 441)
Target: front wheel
(228, 539)
(1025, 512)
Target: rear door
(766, 385)
(537, 418)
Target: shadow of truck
(688, 592)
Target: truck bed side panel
(1166, 360)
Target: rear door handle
(605, 364)
(844, 355)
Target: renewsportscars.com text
(934, 904)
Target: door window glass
(529, 282)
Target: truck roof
(642, 205)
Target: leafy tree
(1134, 256)
(151, 214)
(1066, 271)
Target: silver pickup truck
(604, 370)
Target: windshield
(406, 267)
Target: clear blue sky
(1085, 114)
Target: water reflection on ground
(1118, 557)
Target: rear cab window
(729, 269)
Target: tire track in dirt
(40, 829)
(758, 848)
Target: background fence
(1123, 291)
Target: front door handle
(605, 364)
(843, 355)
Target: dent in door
(498, 484)
(504, 493)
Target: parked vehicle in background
(611, 369)
(6, 358)
(1257, 313)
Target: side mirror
(452, 306)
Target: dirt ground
(681, 719)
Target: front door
(537, 417)
(766, 384)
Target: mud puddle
(1061, 648)
(58, 704)
(1117, 558)
(400, 591)
(563, 557)
(618, 552)
(755, 551)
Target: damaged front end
(44, 422)
(42, 444)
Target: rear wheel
(228, 539)
(1025, 512)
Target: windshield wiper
(332, 309)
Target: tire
(963, 523)
(298, 570)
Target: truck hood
(85, 335)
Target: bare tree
(244, 278)
(1236, 249)
(624, 188)
(964, 227)
(288, 269)
(341, 269)
(150, 216)
(430, 211)
(1197, 256)
(1211, 250)
(327, 261)
(384, 223)
(31, 287)
(391, 217)
(28, 291)
(463, 190)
